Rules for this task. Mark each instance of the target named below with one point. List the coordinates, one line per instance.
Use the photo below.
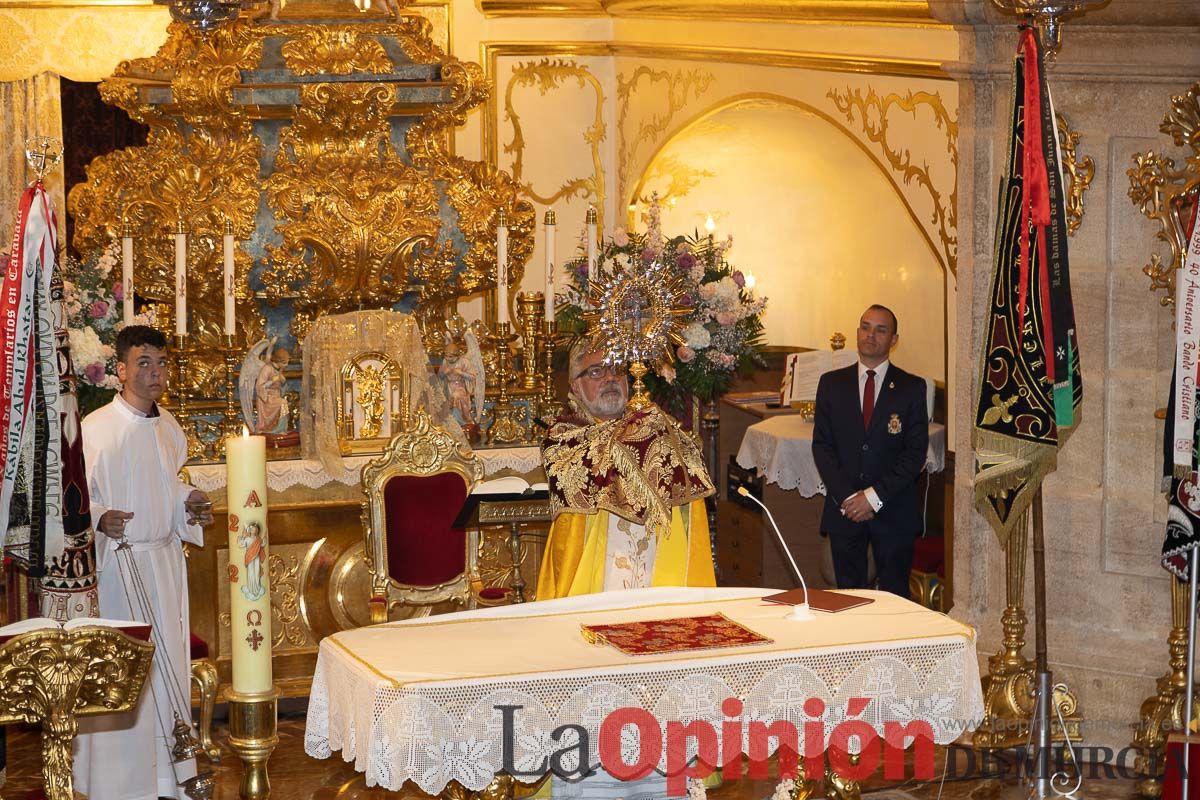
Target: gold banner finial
(43, 153)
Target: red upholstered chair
(928, 576)
(415, 490)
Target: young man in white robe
(133, 451)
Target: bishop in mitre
(626, 489)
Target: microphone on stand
(800, 612)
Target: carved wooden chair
(415, 490)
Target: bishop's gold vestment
(640, 468)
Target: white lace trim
(283, 475)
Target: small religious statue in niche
(462, 372)
(261, 388)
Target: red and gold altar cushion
(710, 632)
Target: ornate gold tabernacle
(323, 138)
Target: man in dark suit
(869, 443)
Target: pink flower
(649, 254)
(620, 237)
(708, 291)
(726, 318)
(739, 278)
(685, 353)
(98, 309)
(668, 373)
(94, 373)
(118, 291)
(685, 262)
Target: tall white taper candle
(126, 273)
(591, 244)
(550, 265)
(502, 269)
(227, 283)
(181, 327)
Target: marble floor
(295, 776)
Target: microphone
(800, 612)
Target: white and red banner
(29, 377)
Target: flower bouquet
(723, 333)
(92, 297)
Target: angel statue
(260, 387)
(463, 375)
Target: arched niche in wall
(815, 217)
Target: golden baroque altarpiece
(324, 141)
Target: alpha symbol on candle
(252, 501)
(255, 640)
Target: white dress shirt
(880, 371)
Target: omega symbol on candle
(256, 551)
(254, 618)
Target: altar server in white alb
(133, 451)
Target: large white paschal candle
(249, 575)
(549, 266)
(502, 269)
(180, 279)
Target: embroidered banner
(1030, 389)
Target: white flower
(697, 336)
(86, 348)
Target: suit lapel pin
(894, 424)
(891, 385)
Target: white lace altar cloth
(417, 700)
(780, 448)
(283, 475)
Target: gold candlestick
(530, 313)
(232, 426)
(181, 392)
(253, 735)
(548, 405)
(505, 427)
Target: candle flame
(750, 281)
(245, 432)
(709, 225)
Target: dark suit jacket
(889, 455)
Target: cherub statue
(261, 385)
(463, 375)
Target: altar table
(416, 700)
(780, 448)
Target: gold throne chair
(415, 491)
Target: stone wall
(1108, 598)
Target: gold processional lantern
(637, 319)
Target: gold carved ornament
(53, 676)
(872, 111)
(548, 74)
(203, 178)
(1079, 172)
(337, 170)
(1165, 193)
(422, 450)
(679, 85)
